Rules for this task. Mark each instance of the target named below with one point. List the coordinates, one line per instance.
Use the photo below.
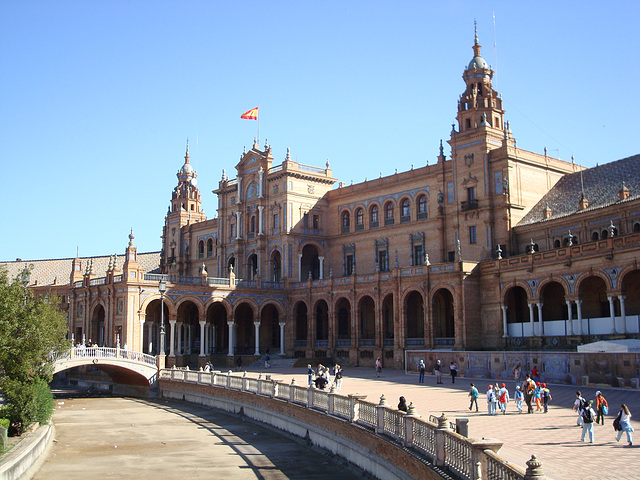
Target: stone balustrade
(435, 443)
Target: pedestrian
(518, 397)
(624, 424)
(338, 377)
(492, 400)
(437, 370)
(546, 397)
(378, 367)
(535, 375)
(453, 368)
(537, 396)
(239, 363)
(266, 360)
(516, 372)
(578, 405)
(602, 407)
(588, 415)
(402, 405)
(503, 398)
(527, 389)
(421, 371)
(310, 373)
(473, 393)
(327, 375)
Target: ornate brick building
(494, 247)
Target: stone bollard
(534, 470)
(408, 426)
(292, 391)
(380, 414)
(440, 433)
(462, 426)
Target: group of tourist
(587, 416)
(323, 375)
(437, 371)
(498, 397)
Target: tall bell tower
(185, 209)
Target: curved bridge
(123, 366)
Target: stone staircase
(276, 362)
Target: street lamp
(162, 287)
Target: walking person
(503, 398)
(492, 400)
(518, 397)
(402, 405)
(624, 424)
(453, 368)
(537, 396)
(266, 360)
(338, 377)
(578, 406)
(516, 372)
(588, 415)
(546, 397)
(602, 407)
(437, 370)
(421, 371)
(473, 393)
(378, 367)
(527, 389)
(310, 373)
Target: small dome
(478, 63)
(186, 169)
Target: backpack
(503, 397)
(587, 416)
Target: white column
(612, 314)
(179, 339)
(260, 219)
(239, 199)
(142, 334)
(623, 314)
(231, 349)
(579, 310)
(213, 338)
(172, 352)
(149, 328)
(541, 329)
(504, 321)
(321, 259)
(299, 267)
(238, 214)
(570, 314)
(202, 338)
(256, 326)
(260, 176)
(531, 319)
(282, 324)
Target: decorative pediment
(470, 180)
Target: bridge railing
(464, 458)
(109, 352)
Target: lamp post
(162, 287)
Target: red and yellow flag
(251, 114)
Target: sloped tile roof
(58, 271)
(601, 188)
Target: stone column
(541, 330)
(260, 219)
(202, 337)
(172, 351)
(231, 325)
(612, 314)
(282, 324)
(321, 259)
(179, 339)
(623, 314)
(142, 322)
(533, 332)
(570, 314)
(504, 321)
(238, 215)
(299, 267)
(213, 338)
(579, 311)
(260, 177)
(256, 326)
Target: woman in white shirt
(625, 424)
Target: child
(503, 398)
(537, 395)
(546, 397)
(492, 400)
(473, 393)
(518, 397)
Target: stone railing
(464, 458)
(109, 352)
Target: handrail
(108, 352)
(466, 459)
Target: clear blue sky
(99, 98)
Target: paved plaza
(553, 437)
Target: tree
(32, 333)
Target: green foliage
(5, 422)
(28, 402)
(32, 332)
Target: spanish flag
(251, 114)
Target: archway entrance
(218, 331)
(343, 319)
(322, 323)
(414, 323)
(444, 331)
(97, 326)
(367, 320)
(518, 318)
(269, 329)
(187, 333)
(244, 336)
(309, 263)
(151, 333)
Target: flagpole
(258, 124)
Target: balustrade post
(407, 437)
(229, 379)
(354, 408)
(478, 447)
(440, 437)
(380, 414)
(292, 391)
(534, 470)
(276, 388)
(310, 396)
(245, 382)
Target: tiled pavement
(553, 437)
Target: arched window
(594, 237)
(422, 207)
(210, 247)
(201, 249)
(388, 213)
(405, 211)
(346, 222)
(359, 219)
(373, 216)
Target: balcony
(469, 205)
